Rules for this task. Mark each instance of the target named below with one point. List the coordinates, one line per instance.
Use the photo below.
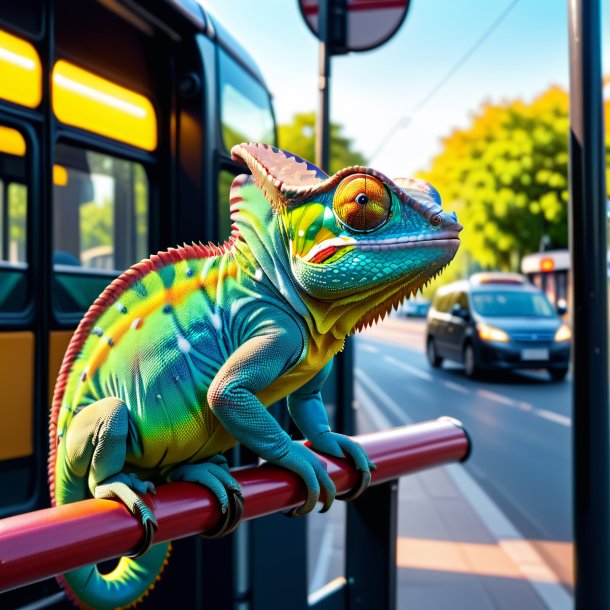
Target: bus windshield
(512, 304)
(245, 106)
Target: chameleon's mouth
(324, 250)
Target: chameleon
(180, 356)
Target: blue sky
(371, 91)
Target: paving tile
(438, 484)
(411, 488)
(462, 522)
(512, 594)
(424, 591)
(421, 519)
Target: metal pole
(590, 317)
(322, 126)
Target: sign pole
(589, 264)
(323, 121)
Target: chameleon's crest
(279, 174)
(287, 179)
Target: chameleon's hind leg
(214, 474)
(97, 440)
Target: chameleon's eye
(361, 203)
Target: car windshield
(512, 304)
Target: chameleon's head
(355, 236)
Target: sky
(373, 93)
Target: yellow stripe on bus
(20, 71)
(12, 142)
(87, 101)
(17, 391)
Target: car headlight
(491, 333)
(563, 333)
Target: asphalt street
(520, 426)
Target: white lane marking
(501, 528)
(379, 420)
(503, 400)
(506, 400)
(456, 387)
(365, 347)
(408, 368)
(562, 420)
(393, 406)
(557, 418)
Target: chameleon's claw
(363, 484)
(312, 470)
(215, 475)
(294, 512)
(342, 446)
(232, 517)
(150, 527)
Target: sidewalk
(456, 549)
(448, 557)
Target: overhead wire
(405, 120)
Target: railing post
(370, 564)
(278, 563)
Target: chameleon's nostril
(436, 220)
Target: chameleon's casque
(179, 357)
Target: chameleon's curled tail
(125, 586)
(129, 582)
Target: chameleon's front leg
(307, 410)
(232, 398)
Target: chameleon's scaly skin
(176, 361)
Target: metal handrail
(41, 544)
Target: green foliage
(506, 177)
(96, 224)
(298, 137)
(17, 209)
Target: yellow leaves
(551, 205)
(508, 169)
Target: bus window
(100, 223)
(245, 106)
(13, 219)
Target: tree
(298, 137)
(506, 176)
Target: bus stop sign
(356, 25)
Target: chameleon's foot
(232, 517)
(342, 446)
(214, 474)
(123, 487)
(308, 466)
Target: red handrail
(38, 545)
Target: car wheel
(558, 374)
(433, 358)
(471, 367)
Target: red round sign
(370, 23)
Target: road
(520, 425)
